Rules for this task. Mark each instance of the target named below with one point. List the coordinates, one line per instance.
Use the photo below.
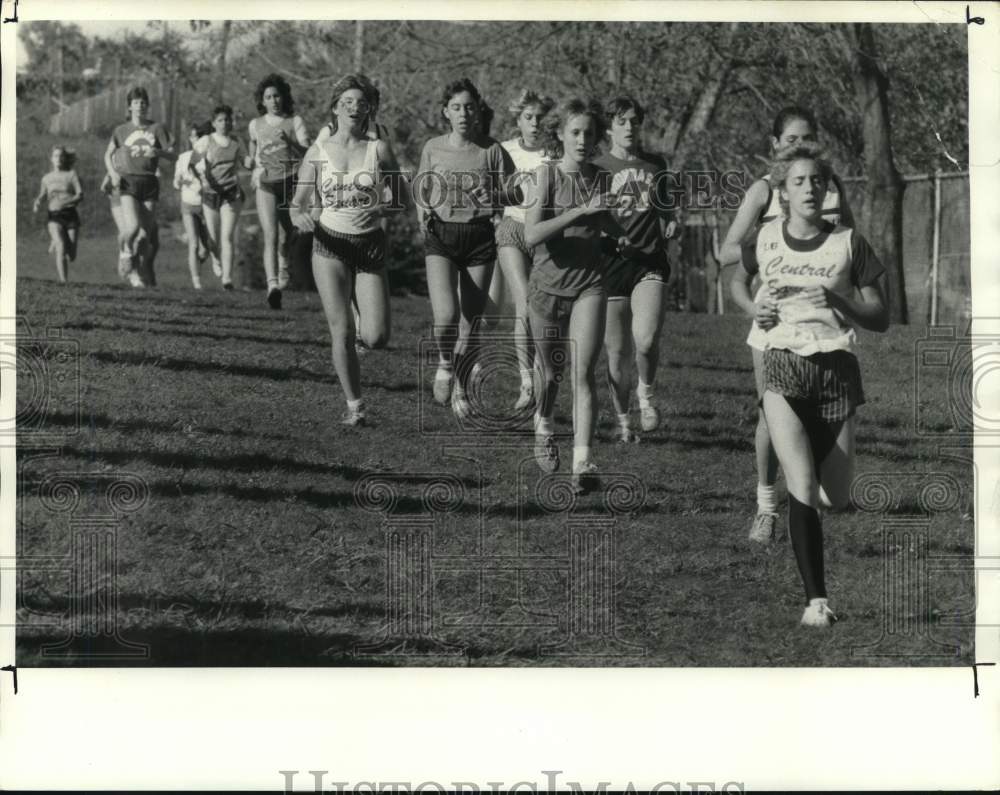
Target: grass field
(258, 544)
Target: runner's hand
(303, 221)
(767, 313)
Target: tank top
(60, 187)
(526, 162)
(837, 258)
(220, 164)
(569, 263)
(347, 196)
(273, 154)
(757, 338)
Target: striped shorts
(510, 232)
(829, 384)
(362, 253)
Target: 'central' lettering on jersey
(359, 193)
(777, 266)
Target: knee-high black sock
(806, 531)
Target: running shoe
(124, 265)
(762, 530)
(135, 279)
(627, 435)
(585, 478)
(546, 453)
(355, 418)
(650, 416)
(228, 286)
(818, 614)
(196, 285)
(443, 379)
(274, 298)
(460, 404)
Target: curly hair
(457, 87)
(220, 109)
(555, 121)
(786, 157)
(362, 84)
(527, 98)
(621, 105)
(284, 90)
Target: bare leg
(618, 344)
(59, 244)
(586, 331)
(371, 291)
(334, 283)
(191, 233)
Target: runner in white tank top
(343, 178)
(792, 125)
(527, 109)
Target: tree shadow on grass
(183, 647)
(88, 420)
(250, 462)
(89, 325)
(226, 368)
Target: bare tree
(882, 212)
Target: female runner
(761, 204)
(820, 283)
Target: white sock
(355, 405)
(767, 501)
(581, 455)
(543, 425)
(624, 422)
(645, 394)
(527, 378)
(272, 284)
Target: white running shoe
(818, 614)
(355, 418)
(443, 379)
(124, 265)
(135, 279)
(650, 417)
(526, 398)
(762, 530)
(460, 403)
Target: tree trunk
(359, 45)
(220, 88)
(704, 107)
(882, 209)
